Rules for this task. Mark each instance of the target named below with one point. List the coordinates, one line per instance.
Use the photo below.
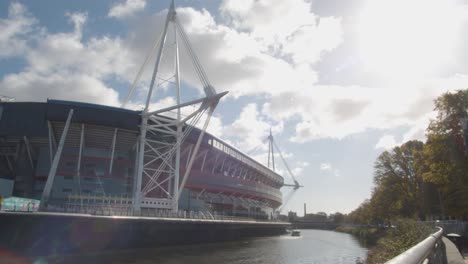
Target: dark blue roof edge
(82, 104)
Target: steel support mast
(295, 186)
(158, 183)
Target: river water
(313, 246)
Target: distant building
(292, 216)
(318, 217)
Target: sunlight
(407, 38)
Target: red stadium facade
(96, 167)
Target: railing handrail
(126, 210)
(419, 252)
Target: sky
(337, 82)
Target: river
(313, 246)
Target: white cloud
(325, 166)
(62, 65)
(286, 28)
(386, 142)
(255, 53)
(127, 9)
(299, 168)
(14, 30)
(236, 61)
(309, 42)
(31, 86)
(78, 19)
(67, 52)
(330, 111)
(250, 130)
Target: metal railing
(451, 226)
(125, 210)
(430, 250)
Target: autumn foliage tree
(445, 161)
(417, 179)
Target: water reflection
(314, 246)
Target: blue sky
(337, 81)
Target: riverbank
(367, 235)
(386, 243)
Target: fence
(430, 250)
(126, 210)
(451, 226)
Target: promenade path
(452, 253)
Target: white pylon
(158, 183)
(271, 146)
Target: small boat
(296, 233)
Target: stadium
(96, 164)
(87, 158)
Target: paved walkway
(453, 255)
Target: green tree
(337, 217)
(398, 186)
(445, 162)
(361, 215)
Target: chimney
(305, 209)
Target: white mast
(271, 146)
(158, 183)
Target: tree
(418, 179)
(337, 218)
(362, 214)
(398, 188)
(444, 158)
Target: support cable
(286, 165)
(209, 90)
(195, 62)
(140, 71)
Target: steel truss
(271, 146)
(158, 178)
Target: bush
(367, 235)
(406, 234)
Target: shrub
(405, 234)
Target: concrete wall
(44, 234)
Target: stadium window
(66, 190)
(90, 168)
(90, 165)
(70, 164)
(100, 171)
(68, 177)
